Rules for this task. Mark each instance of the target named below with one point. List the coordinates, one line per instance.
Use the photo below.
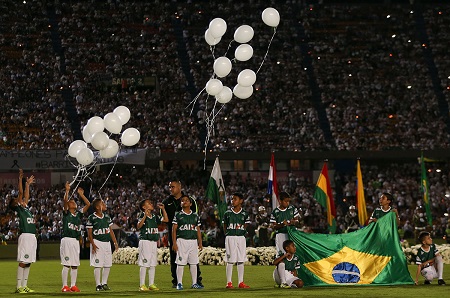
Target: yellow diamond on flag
(348, 266)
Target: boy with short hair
(27, 242)
(148, 243)
(70, 242)
(428, 260)
(285, 274)
(283, 216)
(100, 235)
(187, 240)
(234, 225)
(385, 201)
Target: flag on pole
(369, 256)
(360, 199)
(215, 191)
(272, 187)
(426, 191)
(324, 197)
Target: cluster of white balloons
(222, 65)
(93, 133)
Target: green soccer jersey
(278, 216)
(187, 224)
(235, 222)
(423, 256)
(149, 230)
(100, 227)
(26, 220)
(71, 224)
(379, 213)
(293, 264)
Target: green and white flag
(215, 191)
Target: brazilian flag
(369, 256)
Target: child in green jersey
(148, 242)
(27, 244)
(100, 234)
(71, 232)
(285, 274)
(187, 240)
(386, 200)
(234, 224)
(429, 261)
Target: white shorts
(26, 248)
(429, 273)
(279, 239)
(235, 247)
(187, 252)
(148, 253)
(103, 256)
(70, 252)
(290, 278)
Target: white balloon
(271, 17)
(112, 123)
(95, 124)
(87, 134)
(217, 27)
(225, 95)
(242, 92)
(85, 156)
(111, 150)
(243, 34)
(130, 136)
(100, 140)
(214, 86)
(243, 52)
(222, 67)
(75, 147)
(124, 114)
(246, 78)
(210, 39)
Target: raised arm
(87, 204)
(30, 180)
(20, 186)
(66, 196)
(164, 213)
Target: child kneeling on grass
(429, 261)
(285, 274)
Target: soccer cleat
(276, 286)
(174, 286)
(153, 287)
(197, 286)
(229, 285)
(20, 291)
(74, 289)
(143, 288)
(99, 288)
(27, 290)
(441, 282)
(285, 286)
(427, 282)
(179, 286)
(200, 283)
(106, 288)
(243, 286)
(65, 289)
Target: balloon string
(194, 101)
(107, 178)
(229, 46)
(268, 47)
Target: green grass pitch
(45, 278)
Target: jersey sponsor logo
(101, 231)
(30, 220)
(236, 226)
(74, 227)
(187, 227)
(151, 231)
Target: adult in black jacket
(172, 205)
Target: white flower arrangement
(207, 256)
(411, 252)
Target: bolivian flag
(324, 197)
(369, 256)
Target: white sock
(142, 273)
(229, 271)
(193, 269)
(19, 276)
(105, 275)
(440, 266)
(240, 270)
(26, 272)
(180, 270)
(151, 275)
(282, 272)
(97, 273)
(73, 276)
(65, 275)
